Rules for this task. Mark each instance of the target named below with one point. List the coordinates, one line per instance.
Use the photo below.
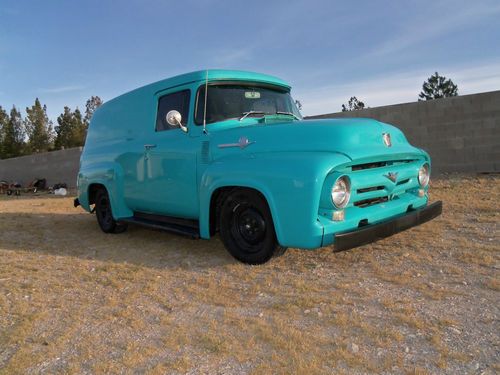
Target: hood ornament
(393, 176)
(243, 142)
(387, 139)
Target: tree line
(436, 87)
(36, 133)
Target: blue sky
(381, 51)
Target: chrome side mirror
(174, 118)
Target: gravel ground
(75, 300)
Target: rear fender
(110, 175)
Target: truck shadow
(78, 235)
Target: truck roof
(135, 107)
(201, 75)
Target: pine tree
(90, 107)
(353, 105)
(4, 118)
(437, 87)
(64, 129)
(70, 129)
(13, 135)
(80, 128)
(38, 128)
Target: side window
(178, 101)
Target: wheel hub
(251, 225)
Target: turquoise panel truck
(228, 152)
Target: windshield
(237, 101)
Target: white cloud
(399, 88)
(61, 89)
(231, 57)
(452, 16)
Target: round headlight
(341, 192)
(424, 175)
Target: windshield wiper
(246, 114)
(289, 114)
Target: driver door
(170, 186)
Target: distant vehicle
(228, 151)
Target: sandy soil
(75, 300)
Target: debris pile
(37, 185)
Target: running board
(163, 225)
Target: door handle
(149, 146)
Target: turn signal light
(338, 215)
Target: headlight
(424, 175)
(341, 192)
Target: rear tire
(104, 214)
(247, 228)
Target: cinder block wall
(462, 134)
(56, 166)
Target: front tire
(247, 228)
(104, 214)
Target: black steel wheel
(104, 214)
(247, 228)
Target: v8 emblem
(393, 176)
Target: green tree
(80, 128)
(353, 105)
(90, 107)
(70, 131)
(437, 87)
(13, 135)
(64, 129)
(38, 128)
(4, 118)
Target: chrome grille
(378, 164)
(373, 188)
(370, 202)
(402, 182)
(372, 183)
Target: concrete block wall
(462, 134)
(55, 166)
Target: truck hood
(357, 139)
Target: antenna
(205, 106)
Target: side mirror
(298, 104)
(174, 118)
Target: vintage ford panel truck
(228, 152)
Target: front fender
(110, 175)
(290, 182)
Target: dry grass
(74, 300)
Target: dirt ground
(75, 300)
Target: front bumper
(374, 232)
